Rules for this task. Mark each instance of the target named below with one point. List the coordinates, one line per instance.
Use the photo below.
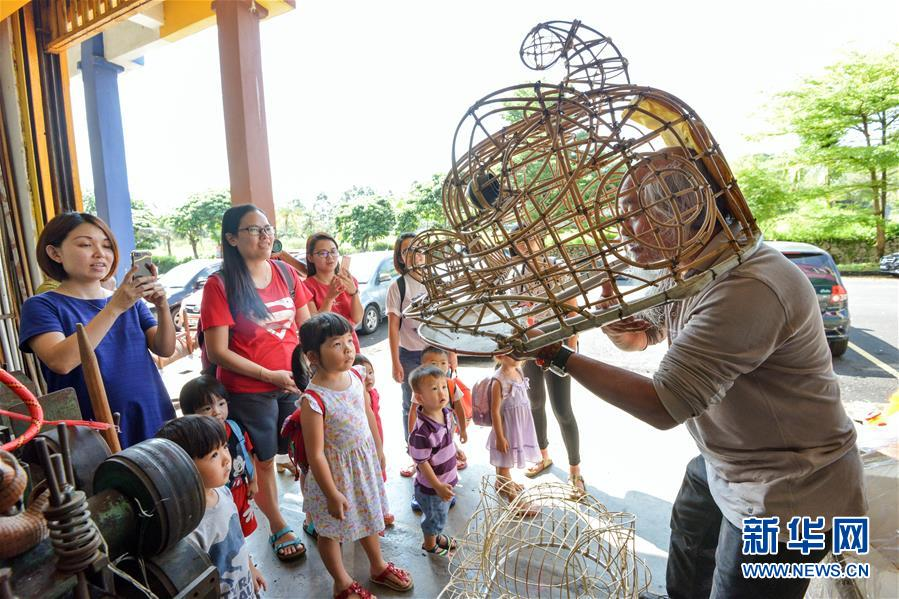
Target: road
(874, 333)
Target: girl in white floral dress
(344, 491)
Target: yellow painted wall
(186, 17)
(8, 7)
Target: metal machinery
(81, 521)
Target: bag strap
(287, 276)
(242, 442)
(318, 399)
(401, 285)
(358, 375)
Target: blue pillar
(107, 142)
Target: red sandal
(384, 578)
(354, 589)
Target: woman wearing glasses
(332, 288)
(250, 314)
(406, 344)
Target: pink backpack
(481, 401)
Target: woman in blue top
(79, 250)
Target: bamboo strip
(93, 379)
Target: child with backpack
(206, 396)
(500, 401)
(435, 356)
(344, 491)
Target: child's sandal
(446, 542)
(436, 550)
(278, 548)
(354, 589)
(309, 529)
(394, 578)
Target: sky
(370, 93)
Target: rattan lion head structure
(573, 204)
(545, 543)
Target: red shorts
(244, 509)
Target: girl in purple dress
(513, 440)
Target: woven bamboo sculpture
(545, 543)
(558, 191)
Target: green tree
(89, 202)
(200, 217)
(363, 217)
(149, 229)
(847, 121)
(767, 184)
(426, 203)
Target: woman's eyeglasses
(255, 231)
(325, 254)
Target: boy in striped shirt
(431, 447)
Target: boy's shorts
(435, 511)
(244, 509)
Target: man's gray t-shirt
(749, 371)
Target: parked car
(185, 279)
(889, 264)
(833, 298)
(375, 273)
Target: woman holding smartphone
(332, 286)
(251, 313)
(79, 250)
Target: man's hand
(252, 488)
(628, 333)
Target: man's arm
(628, 391)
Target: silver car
(375, 273)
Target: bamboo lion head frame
(572, 205)
(546, 544)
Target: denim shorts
(434, 510)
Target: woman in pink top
(332, 289)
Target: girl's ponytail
(302, 372)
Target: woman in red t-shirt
(331, 289)
(251, 322)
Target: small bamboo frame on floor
(549, 541)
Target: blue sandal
(277, 548)
(309, 529)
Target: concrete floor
(628, 466)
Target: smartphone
(345, 264)
(277, 246)
(142, 259)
